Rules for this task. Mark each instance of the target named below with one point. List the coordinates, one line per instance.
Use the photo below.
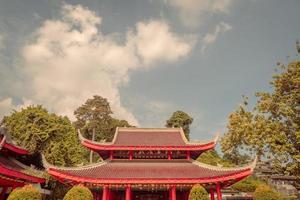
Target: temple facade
(144, 164)
(12, 172)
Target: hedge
(264, 192)
(198, 193)
(79, 192)
(28, 192)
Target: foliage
(272, 128)
(198, 193)
(264, 192)
(248, 184)
(180, 119)
(41, 132)
(212, 157)
(59, 190)
(95, 115)
(79, 192)
(28, 192)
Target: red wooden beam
(15, 149)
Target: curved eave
(107, 146)
(234, 175)
(15, 149)
(19, 175)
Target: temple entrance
(150, 195)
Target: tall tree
(41, 132)
(272, 128)
(95, 116)
(95, 121)
(180, 119)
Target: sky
(149, 58)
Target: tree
(272, 128)
(95, 116)
(28, 192)
(94, 120)
(41, 132)
(212, 157)
(248, 184)
(79, 192)
(264, 192)
(180, 119)
(198, 193)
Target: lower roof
(12, 172)
(145, 171)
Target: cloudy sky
(149, 58)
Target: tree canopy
(28, 192)
(79, 192)
(39, 131)
(180, 119)
(272, 128)
(95, 115)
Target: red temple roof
(149, 139)
(149, 171)
(14, 173)
(7, 144)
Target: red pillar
(3, 192)
(172, 192)
(188, 155)
(105, 193)
(130, 155)
(111, 154)
(219, 194)
(128, 192)
(169, 155)
(212, 194)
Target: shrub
(28, 192)
(79, 192)
(198, 193)
(264, 192)
(247, 185)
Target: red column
(212, 194)
(128, 192)
(3, 192)
(105, 193)
(130, 155)
(219, 194)
(111, 154)
(169, 155)
(172, 192)
(188, 155)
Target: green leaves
(198, 193)
(41, 132)
(272, 128)
(180, 119)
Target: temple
(12, 172)
(142, 164)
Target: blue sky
(149, 58)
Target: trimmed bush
(79, 192)
(264, 192)
(247, 185)
(198, 193)
(28, 192)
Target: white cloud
(193, 12)
(6, 107)
(71, 59)
(210, 38)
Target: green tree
(212, 157)
(198, 193)
(79, 192)
(94, 116)
(41, 132)
(28, 192)
(248, 184)
(180, 119)
(272, 128)
(264, 192)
